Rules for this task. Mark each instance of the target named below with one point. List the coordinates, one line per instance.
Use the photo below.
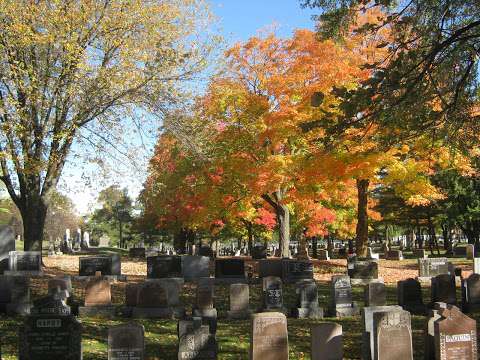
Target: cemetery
(253, 180)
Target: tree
(68, 67)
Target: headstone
(239, 301)
(259, 252)
(158, 298)
(476, 265)
(431, 267)
(104, 241)
(363, 270)
(98, 298)
(195, 341)
(7, 244)
(307, 301)
(294, 270)
(375, 294)
(63, 284)
(470, 251)
(24, 263)
(52, 304)
(230, 268)
(50, 333)
(327, 341)
(19, 296)
(392, 335)
(205, 303)
(108, 265)
(444, 289)
(269, 267)
(138, 253)
(341, 297)
(368, 337)
(322, 254)
(455, 335)
(164, 266)
(272, 293)
(409, 296)
(269, 337)
(195, 267)
(205, 251)
(429, 331)
(471, 293)
(420, 254)
(460, 250)
(394, 255)
(126, 342)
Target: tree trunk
(362, 218)
(283, 219)
(250, 236)
(34, 213)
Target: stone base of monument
(22, 309)
(111, 278)
(308, 313)
(346, 311)
(228, 281)
(97, 311)
(24, 273)
(355, 282)
(239, 314)
(158, 313)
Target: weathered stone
(98, 299)
(138, 253)
(230, 268)
(409, 296)
(294, 270)
(269, 267)
(307, 301)
(126, 342)
(259, 252)
(105, 264)
(429, 331)
(341, 297)
(362, 269)
(272, 293)
(269, 337)
(431, 267)
(19, 296)
(375, 294)
(471, 293)
(470, 251)
(239, 301)
(444, 289)
(392, 335)
(195, 341)
(24, 263)
(327, 341)
(195, 267)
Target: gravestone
(230, 269)
(420, 254)
(307, 301)
(409, 296)
(455, 335)
(205, 303)
(375, 294)
(63, 284)
(156, 298)
(239, 301)
(460, 250)
(431, 267)
(164, 266)
(98, 298)
(272, 293)
(19, 296)
(322, 254)
(7, 244)
(362, 271)
(471, 293)
(269, 337)
(259, 252)
(341, 297)
(104, 241)
(392, 335)
(126, 342)
(50, 332)
(107, 265)
(137, 252)
(327, 341)
(195, 341)
(394, 255)
(28, 263)
(444, 289)
(195, 267)
(476, 265)
(269, 267)
(294, 270)
(429, 331)
(368, 336)
(470, 251)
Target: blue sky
(237, 20)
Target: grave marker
(126, 342)
(195, 341)
(269, 337)
(392, 335)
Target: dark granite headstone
(375, 294)
(341, 297)
(431, 267)
(409, 296)
(362, 268)
(455, 335)
(164, 266)
(443, 289)
(272, 293)
(195, 341)
(126, 342)
(392, 335)
(471, 293)
(269, 267)
(107, 265)
(138, 253)
(307, 301)
(293, 270)
(259, 252)
(229, 268)
(205, 251)
(24, 261)
(195, 267)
